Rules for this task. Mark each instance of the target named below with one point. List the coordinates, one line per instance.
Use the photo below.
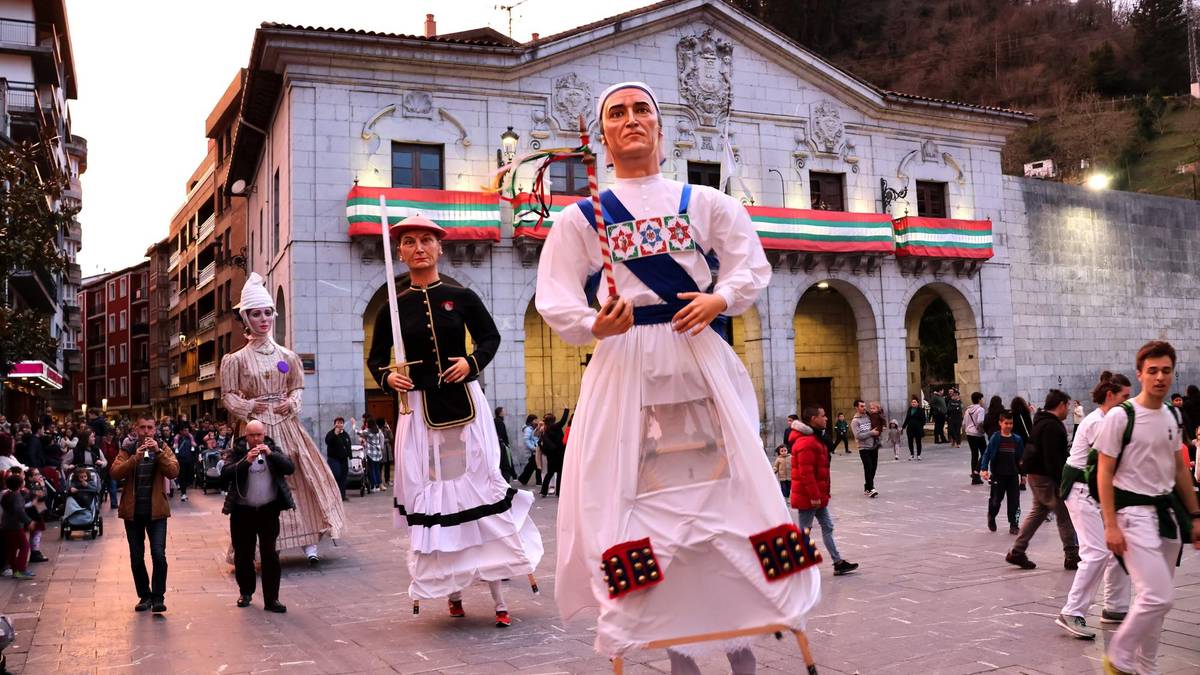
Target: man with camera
(145, 509)
(256, 492)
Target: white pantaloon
(497, 595)
(1150, 560)
(1095, 560)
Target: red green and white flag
(464, 215)
(943, 238)
(822, 231)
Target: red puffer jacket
(810, 473)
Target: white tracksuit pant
(1150, 560)
(497, 595)
(1095, 560)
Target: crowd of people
(1123, 527)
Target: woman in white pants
(1095, 560)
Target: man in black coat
(506, 468)
(256, 493)
(337, 453)
(553, 449)
(1046, 452)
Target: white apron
(464, 521)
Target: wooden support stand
(777, 629)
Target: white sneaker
(183, 498)
(7, 572)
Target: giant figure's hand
(614, 318)
(702, 309)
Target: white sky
(150, 71)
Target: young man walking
(1148, 506)
(1043, 465)
(810, 483)
(937, 408)
(868, 445)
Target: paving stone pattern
(933, 595)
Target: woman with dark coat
(914, 424)
(1022, 417)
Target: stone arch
(836, 346)
(747, 341)
(965, 335)
(553, 368)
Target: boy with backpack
(1148, 506)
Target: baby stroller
(356, 471)
(208, 475)
(82, 510)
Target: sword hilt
(401, 368)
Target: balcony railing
(207, 228)
(141, 328)
(18, 32)
(207, 321)
(174, 301)
(207, 274)
(208, 370)
(173, 261)
(174, 340)
(174, 381)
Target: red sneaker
(502, 620)
(456, 609)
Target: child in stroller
(356, 470)
(82, 511)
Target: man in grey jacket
(868, 444)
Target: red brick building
(116, 341)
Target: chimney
(430, 26)
(535, 37)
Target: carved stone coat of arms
(572, 98)
(705, 75)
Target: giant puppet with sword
(465, 522)
(671, 523)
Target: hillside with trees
(1108, 79)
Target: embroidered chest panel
(650, 236)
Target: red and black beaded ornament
(783, 551)
(630, 567)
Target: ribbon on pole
(589, 160)
(393, 305)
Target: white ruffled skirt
(465, 522)
(665, 444)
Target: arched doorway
(836, 343)
(942, 341)
(747, 343)
(379, 403)
(553, 368)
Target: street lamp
(507, 151)
(823, 285)
(104, 405)
(1099, 181)
(84, 409)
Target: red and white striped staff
(589, 160)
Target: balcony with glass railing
(174, 300)
(173, 340)
(208, 370)
(174, 381)
(173, 261)
(207, 274)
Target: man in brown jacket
(145, 509)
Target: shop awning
(822, 231)
(467, 216)
(38, 373)
(947, 238)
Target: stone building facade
(325, 110)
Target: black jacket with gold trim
(434, 321)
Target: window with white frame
(112, 322)
(124, 286)
(112, 356)
(124, 387)
(112, 291)
(124, 355)
(124, 318)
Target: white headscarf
(254, 294)
(604, 95)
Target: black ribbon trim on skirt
(453, 519)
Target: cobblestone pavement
(933, 595)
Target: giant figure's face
(632, 132)
(419, 250)
(260, 321)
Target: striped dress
(263, 371)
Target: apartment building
(37, 79)
(116, 342)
